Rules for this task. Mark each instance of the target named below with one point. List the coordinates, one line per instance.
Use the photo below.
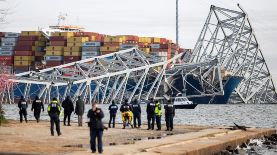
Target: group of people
(129, 112)
(132, 111)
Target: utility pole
(177, 23)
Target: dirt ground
(34, 138)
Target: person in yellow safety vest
(126, 114)
(54, 111)
(158, 114)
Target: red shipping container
(99, 38)
(57, 43)
(4, 58)
(163, 40)
(72, 58)
(131, 38)
(85, 34)
(23, 48)
(57, 38)
(25, 43)
(163, 46)
(24, 53)
(112, 44)
(28, 38)
(6, 62)
(53, 63)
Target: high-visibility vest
(158, 109)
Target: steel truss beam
(229, 37)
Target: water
(248, 115)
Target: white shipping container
(7, 48)
(127, 46)
(90, 53)
(94, 44)
(86, 57)
(9, 39)
(91, 48)
(155, 45)
(54, 58)
(11, 35)
(6, 53)
(8, 44)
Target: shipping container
(72, 53)
(57, 43)
(88, 44)
(25, 48)
(53, 63)
(72, 58)
(24, 58)
(6, 63)
(145, 40)
(109, 48)
(72, 49)
(146, 50)
(90, 48)
(6, 48)
(54, 53)
(6, 53)
(31, 33)
(64, 34)
(20, 69)
(28, 38)
(113, 39)
(8, 43)
(127, 46)
(11, 35)
(22, 63)
(112, 44)
(25, 43)
(9, 39)
(106, 52)
(77, 39)
(24, 53)
(2, 58)
(85, 34)
(155, 46)
(156, 40)
(39, 54)
(90, 53)
(57, 38)
(54, 58)
(86, 57)
(74, 44)
(55, 48)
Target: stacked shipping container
(74, 48)
(8, 43)
(29, 48)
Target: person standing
(79, 110)
(169, 115)
(36, 107)
(158, 114)
(95, 116)
(126, 112)
(136, 113)
(22, 105)
(54, 111)
(113, 110)
(150, 110)
(68, 109)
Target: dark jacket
(80, 107)
(96, 119)
(37, 105)
(136, 108)
(125, 107)
(150, 109)
(22, 104)
(169, 109)
(68, 105)
(54, 109)
(113, 108)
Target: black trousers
(66, 116)
(54, 120)
(137, 116)
(96, 133)
(112, 120)
(151, 121)
(23, 112)
(158, 121)
(37, 114)
(169, 122)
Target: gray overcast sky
(145, 18)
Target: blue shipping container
(91, 44)
(90, 53)
(7, 48)
(54, 58)
(6, 53)
(91, 48)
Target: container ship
(57, 45)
